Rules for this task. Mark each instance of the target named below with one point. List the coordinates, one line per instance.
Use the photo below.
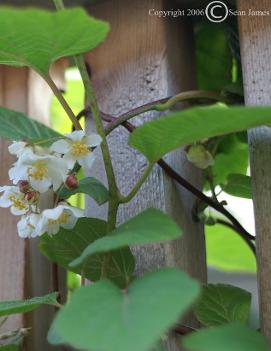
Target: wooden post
(24, 271)
(255, 32)
(143, 59)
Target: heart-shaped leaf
(89, 186)
(221, 304)
(102, 317)
(66, 245)
(160, 136)
(36, 38)
(22, 306)
(231, 337)
(239, 185)
(148, 227)
(17, 126)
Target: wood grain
(143, 59)
(255, 32)
(24, 271)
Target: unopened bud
(31, 196)
(71, 182)
(24, 186)
(199, 156)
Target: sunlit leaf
(67, 245)
(102, 317)
(36, 38)
(148, 227)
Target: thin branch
(133, 192)
(236, 225)
(245, 235)
(63, 102)
(163, 105)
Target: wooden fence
(144, 58)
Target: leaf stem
(163, 105)
(142, 179)
(63, 102)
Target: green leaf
(214, 58)
(239, 185)
(231, 157)
(90, 186)
(221, 304)
(148, 227)
(22, 306)
(67, 245)
(37, 38)
(231, 337)
(158, 137)
(102, 317)
(17, 126)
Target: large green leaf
(231, 337)
(37, 38)
(17, 126)
(67, 245)
(148, 227)
(22, 306)
(89, 186)
(239, 185)
(221, 304)
(102, 317)
(156, 138)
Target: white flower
(62, 216)
(27, 226)
(17, 148)
(77, 147)
(13, 198)
(40, 171)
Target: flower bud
(24, 186)
(199, 156)
(31, 197)
(71, 182)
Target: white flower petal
(70, 160)
(40, 185)
(87, 161)
(53, 213)
(17, 211)
(70, 223)
(17, 148)
(93, 140)
(77, 135)
(61, 146)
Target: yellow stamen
(17, 202)
(62, 219)
(39, 170)
(79, 149)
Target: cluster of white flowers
(36, 171)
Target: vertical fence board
(255, 32)
(143, 59)
(24, 272)
(12, 259)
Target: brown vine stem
(163, 105)
(238, 228)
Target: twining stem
(63, 102)
(247, 237)
(141, 181)
(163, 105)
(113, 188)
